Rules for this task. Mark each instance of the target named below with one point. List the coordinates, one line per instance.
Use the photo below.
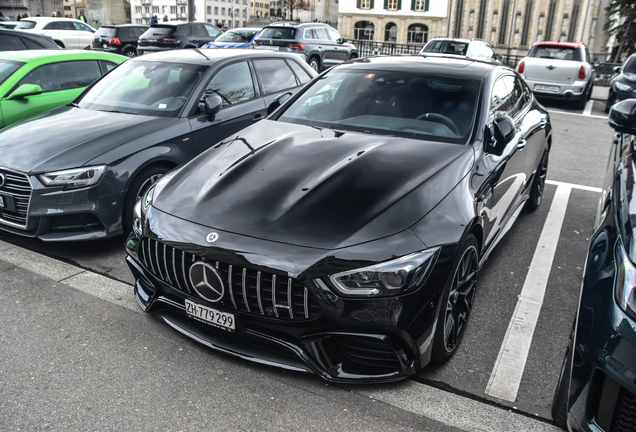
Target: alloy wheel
(460, 299)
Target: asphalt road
(578, 160)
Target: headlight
(622, 87)
(74, 178)
(625, 282)
(391, 278)
(140, 210)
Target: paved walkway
(600, 93)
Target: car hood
(627, 78)
(313, 187)
(70, 137)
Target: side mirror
(622, 117)
(503, 131)
(499, 56)
(341, 40)
(596, 63)
(25, 90)
(213, 104)
(617, 69)
(277, 102)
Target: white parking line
(575, 186)
(588, 108)
(513, 354)
(551, 111)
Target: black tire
(146, 178)
(538, 183)
(562, 393)
(608, 105)
(314, 63)
(353, 56)
(454, 314)
(579, 104)
(589, 94)
(129, 52)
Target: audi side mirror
(277, 102)
(622, 117)
(501, 133)
(213, 104)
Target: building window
(459, 16)
(419, 5)
(138, 9)
(504, 22)
(365, 4)
(223, 11)
(482, 19)
(147, 9)
(390, 32)
(392, 5)
(183, 9)
(364, 30)
(173, 9)
(209, 10)
(417, 33)
(575, 17)
(526, 23)
(216, 10)
(155, 9)
(139, 20)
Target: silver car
(559, 70)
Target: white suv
(66, 32)
(465, 48)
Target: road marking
(588, 108)
(513, 354)
(575, 186)
(551, 111)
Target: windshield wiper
(119, 112)
(197, 50)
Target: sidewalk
(600, 93)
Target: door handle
(543, 122)
(257, 117)
(521, 144)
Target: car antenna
(199, 51)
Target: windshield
(630, 67)
(406, 104)
(237, 36)
(446, 47)
(7, 68)
(278, 33)
(146, 88)
(107, 32)
(555, 52)
(159, 31)
(24, 24)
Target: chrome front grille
(246, 290)
(17, 186)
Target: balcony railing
(368, 48)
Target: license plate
(546, 88)
(7, 203)
(267, 47)
(210, 316)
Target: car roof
(209, 56)
(30, 55)
(294, 24)
(45, 19)
(124, 25)
(449, 66)
(564, 44)
(177, 23)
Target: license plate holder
(546, 88)
(7, 203)
(268, 47)
(211, 316)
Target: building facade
(225, 13)
(12, 8)
(400, 21)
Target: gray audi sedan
(75, 173)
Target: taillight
(299, 47)
(582, 72)
(168, 40)
(255, 43)
(521, 67)
(114, 41)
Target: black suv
(320, 44)
(166, 36)
(119, 39)
(11, 40)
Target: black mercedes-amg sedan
(75, 172)
(343, 235)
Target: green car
(33, 81)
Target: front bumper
(603, 383)
(573, 91)
(55, 214)
(285, 315)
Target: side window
(301, 73)
(321, 33)
(518, 95)
(212, 31)
(333, 34)
(30, 44)
(81, 27)
(473, 50)
(186, 31)
(51, 26)
(198, 30)
(233, 83)
(274, 75)
(107, 66)
(10, 43)
(500, 101)
(132, 34)
(308, 34)
(65, 25)
(63, 76)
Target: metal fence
(366, 48)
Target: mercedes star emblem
(206, 281)
(1, 180)
(212, 237)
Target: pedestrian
(154, 20)
(165, 18)
(58, 13)
(81, 16)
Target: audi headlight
(391, 278)
(74, 178)
(625, 282)
(622, 87)
(140, 210)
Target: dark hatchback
(120, 39)
(80, 174)
(169, 36)
(597, 388)
(343, 235)
(13, 40)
